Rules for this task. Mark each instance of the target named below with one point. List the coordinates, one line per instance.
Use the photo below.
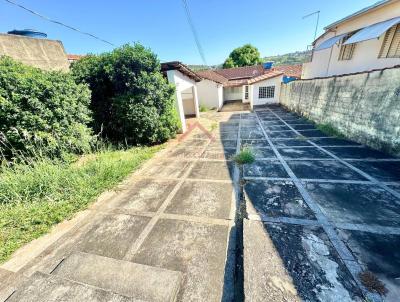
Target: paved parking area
(321, 210)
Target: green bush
(131, 100)
(41, 111)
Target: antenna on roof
(316, 26)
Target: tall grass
(36, 194)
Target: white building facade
(366, 40)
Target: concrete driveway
(319, 211)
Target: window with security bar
(266, 92)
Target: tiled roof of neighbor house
(212, 75)
(290, 70)
(241, 72)
(239, 76)
(72, 57)
(176, 65)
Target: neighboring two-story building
(366, 40)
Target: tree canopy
(246, 55)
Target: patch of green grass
(329, 129)
(203, 108)
(36, 196)
(245, 156)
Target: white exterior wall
(255, 100)
(365, 57)
(210, 94)
(182, 83)
(230, 95)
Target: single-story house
(365, 40)
(256, 85)
(185, 81)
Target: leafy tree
(131, 100)
(42, 112)
(247, 55)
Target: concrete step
(42, 287)
(126, 278)
(9, 281)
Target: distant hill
(292, 58)
(298, 57)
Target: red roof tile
(290, 70)
(241, 72)
(212, 75)
(72, 57)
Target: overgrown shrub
(131, 100)
(42, 112)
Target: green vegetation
(132, 102)
(330, 130)
(247, 55)
(245, 156)
(38, 195)
(203, 108)
(41, 112)
(293, 58)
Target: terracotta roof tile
(265, 76)
(212, 75)
(241, 72)
(290, 70)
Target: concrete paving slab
(193, 143)
(254, 143)
(112, 236)
(304, 127)
(383, 171)
(290, 142)
(145, 195)
(276, 128)
(285, 134)
(357, 153)
(273, 123)
(185, 152)
(143, 282)
(220, 170)
(222, 143)
(379, 254)
(293, 263)
(167, 168)
(226, 135)
(295, 153)
(263, 153)
(333, 141)
(197, 250)
(265, 168)
(299, 121)
(203, 199)
(228, 127)
(48, 288)
(396, 187)
(356, 203)
(275, 199)
(330, 169)
(312, 133)
(219, 154)
(251, 134)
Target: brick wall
(365, 106)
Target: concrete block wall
(365, 106)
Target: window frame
(246, 92)
(392, 33)
(266, 92)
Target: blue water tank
(28, 33)
(268, 65)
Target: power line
(58, 22)
(195, 35)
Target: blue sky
(275, 27)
